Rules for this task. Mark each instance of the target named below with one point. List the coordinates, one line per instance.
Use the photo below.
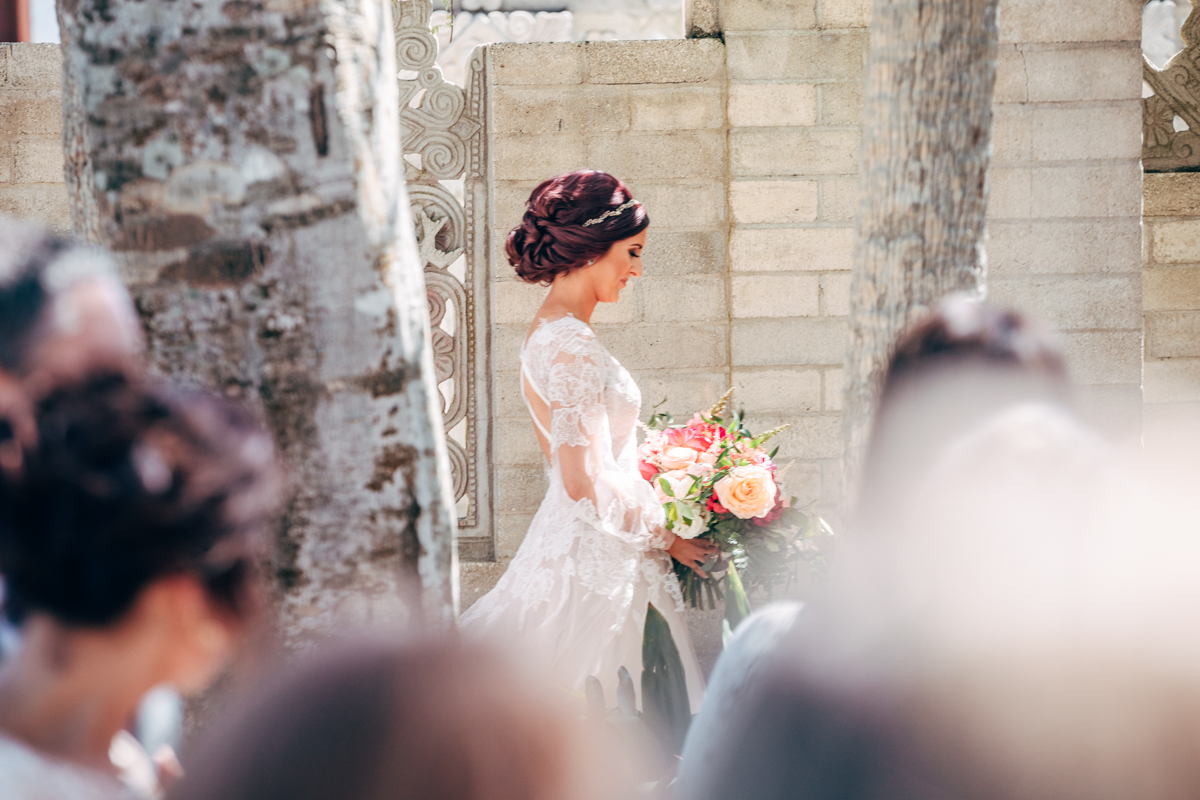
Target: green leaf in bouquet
(773, 452)
(665, 704)
(666, 487)
(757, 441)
(737, 604)
(659, 419)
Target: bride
(597, 553)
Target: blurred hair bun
(128, 482)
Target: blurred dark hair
(24, 298)
(130, 482)
(422, 720)
(963, 333)
(552, 238)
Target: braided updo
(552, 239)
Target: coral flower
(648, 470)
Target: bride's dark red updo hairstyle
(552, 238)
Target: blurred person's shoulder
(26, 774)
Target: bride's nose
(636, 268)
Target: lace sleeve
(619, 503)
(575, 389)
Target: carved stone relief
(444, 152)
(1176, 90)
(472, 30)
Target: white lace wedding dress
(575, 596)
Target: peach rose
(747, 491)
(676, 457)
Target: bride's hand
(692, 553)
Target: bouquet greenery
(717, 481)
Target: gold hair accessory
(616, 212)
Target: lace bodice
(585, 386)
(585, 404)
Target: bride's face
(612, 272)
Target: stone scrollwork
(442, 141)
(436, 128)
(1176, 94)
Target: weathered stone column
(921, 223)
(242, 159)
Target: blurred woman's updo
(568, 220)
(127, 483)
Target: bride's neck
(569, 294)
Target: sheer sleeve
(616, 501)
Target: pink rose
(677, 457)
(698, 435)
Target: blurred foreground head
(1009, 620)
(139, 510)
(63, 316)
(962, 365)
(423, 720)
(63, 312)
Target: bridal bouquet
(717, 481)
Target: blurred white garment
(759, 642)
(575, 596)
(26, 774)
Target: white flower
(698, 525)
(679, 481)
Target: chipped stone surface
(242, 159)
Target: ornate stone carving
(1176, 94)
(443, 147)
(472, 30)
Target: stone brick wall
(1066, 193)
(795, 126)
(1171, 284)
(31, 159)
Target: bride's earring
(591, 261)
